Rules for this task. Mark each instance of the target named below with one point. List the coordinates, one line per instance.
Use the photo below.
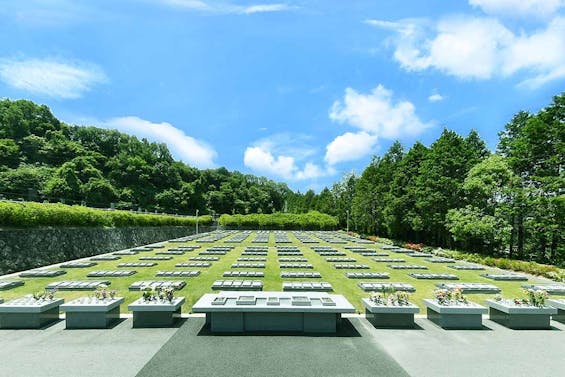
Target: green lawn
(197, 286)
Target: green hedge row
(30, 214)
(312, 220)
(548, 271)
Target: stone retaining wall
(22, 249)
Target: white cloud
(377, 114)
(260, 159)
(182, 146)
(528, 8)
(221, 7)
(481, 48)
(350, 147)
(51, 77)
(435, 97)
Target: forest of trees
(457, 194)
(454, 193)
(44, 159)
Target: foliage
(30, 214)
(43, 159)
(312, 220)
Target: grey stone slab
(434, 276)
(468, 267)
(379, 287)
(552, 289)
(105, 258)
(248, 265)
(77, 285)
(9, 284)
(156, 258)
(407, 267)
(137, 264)
(455, 316)
(125, 252)
(237, 285)
(42, 273)
(339, 260)
(171, 252)
(296, 265)
(367, 275)
(470, 287)
(91, 313)
(27, 313)
(156, 313)
(78, 264)
(207, 259)
(306, 286)
(351, 266)
(254, 274)
(194, 264)
(154, 284)
(520, 317)
(440, 260)
(111, 273)
(389, 260)
(251, 259)
(300, 275)
(509, 277)
(190, 274)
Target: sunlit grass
(272, 281)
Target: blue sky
(297, 91)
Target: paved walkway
(357, 350)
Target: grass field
(272, 281)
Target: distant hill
(42, 158)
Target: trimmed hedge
(312, 220)
(31, 214)
(533, 268)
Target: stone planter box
(91, 313)
(520, 316)
(390, 316)
(455, 316)
(560, 306)
(155, 313)
(27, 313)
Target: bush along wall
(312, 220)
(30, 214)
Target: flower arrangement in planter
(389, 297)
(450, 297)
(46, 295)
(533, 297)
(102, 293)
(158, 294)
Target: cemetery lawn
(197, 286)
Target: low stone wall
(22, 249)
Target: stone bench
(28, 313)
(76, 285)
(306, 286)
(367, 275)
(110, 273)
(379, 287)
(176, 274)
(157, 284)
(518, 317)
(309, 312)
(156, 313)
(92, 313)
(249, 285)
(390, 316)
(453, 316)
